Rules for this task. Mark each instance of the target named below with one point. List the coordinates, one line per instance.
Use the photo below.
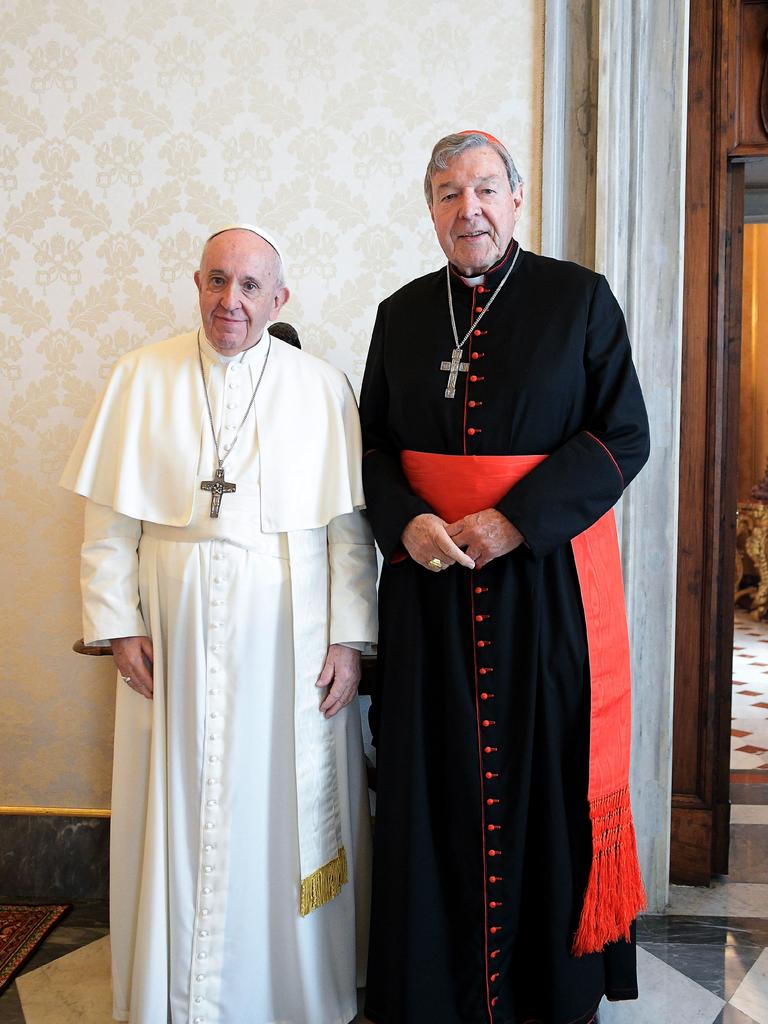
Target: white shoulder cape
(138, 451)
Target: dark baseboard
(54, 857)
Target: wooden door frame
(708, 448)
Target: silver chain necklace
(455, 366)
(219, 486)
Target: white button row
(206, 907)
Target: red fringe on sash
(614, 895)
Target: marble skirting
(53, 857)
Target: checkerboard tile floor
(749, 709)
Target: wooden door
(727, 72)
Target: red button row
(487, 723)
(474, 379)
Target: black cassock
(455, 937)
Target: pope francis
(227, 559)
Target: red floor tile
(740, 732)
(750, 749)
(750, 693)
(753, 777)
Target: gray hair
(451, 146)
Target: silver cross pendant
(454, 368)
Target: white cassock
(230, 789)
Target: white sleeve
(109, 575)
(352, 559)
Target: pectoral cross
(217, 487)
(454, 368)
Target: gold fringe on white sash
(322, 885)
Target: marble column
(633, 146)
(570, 130)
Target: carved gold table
(752, 542)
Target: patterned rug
(22, 929)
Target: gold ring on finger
(435, 563)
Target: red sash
(458, 485)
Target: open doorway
(749, 707)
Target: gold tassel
(322, 885)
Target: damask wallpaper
(128, 130)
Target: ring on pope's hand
(126, 679)
(435, 563)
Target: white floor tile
(665, 995)
(749, 814)
(75, 989)
(758, 737)
(741, 762)
(735, 899)
(752, 994)
(744, 710)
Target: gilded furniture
(752, 543)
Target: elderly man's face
(239, 292)
(474, 210)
